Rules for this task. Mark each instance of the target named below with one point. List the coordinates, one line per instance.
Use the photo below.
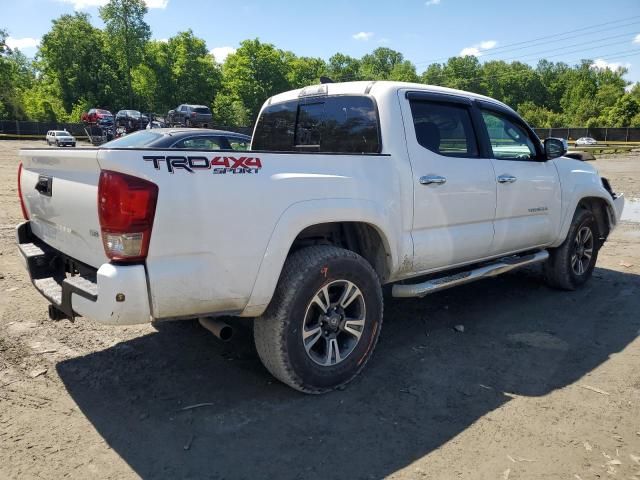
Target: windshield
(61, 134)
(142, 138)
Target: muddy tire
(572, 263)
(323, 321)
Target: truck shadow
(426, 383)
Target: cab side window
(509, 140)
(444, 128)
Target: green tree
(434, 75)
(379, 64)
(16, 76)
(538, 116)
(73, 63)
(127, 34)
(343, 68)
(623, 112)
(303, 71)
(255, 72)
(464, 73)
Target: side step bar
(490, 270)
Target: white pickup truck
(347, 187)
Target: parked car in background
(189, 116)
(187, 138)
(98, 116)
(585, 141)
(131, 120)
(60, 138)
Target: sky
(425, 31)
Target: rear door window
(444, 128)
(334, 124)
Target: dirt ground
(540, 385)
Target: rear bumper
(112, 294)
(198, 120)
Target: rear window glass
(201, 110)
(338, 124)
(142, 138)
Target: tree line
(79, 66)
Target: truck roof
(378, 88)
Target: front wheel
(572, 263)
(323, 321)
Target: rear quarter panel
(214, 226)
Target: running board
(491, 270)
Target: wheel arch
(361, 226)
(601, 205)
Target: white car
(347, 186)
(60, 138)
(585, 141)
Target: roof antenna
(325, 80)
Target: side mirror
(554, 148)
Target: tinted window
(445, 129)
(341, 124)
(276, 127)
(509, 140)
(202, 143)
(201, 110)
(308, 126)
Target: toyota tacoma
(346, 187)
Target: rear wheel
(572, 263)
(187, 123)
(324, 319)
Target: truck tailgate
(60, 191)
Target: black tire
(562, 270)
(187, 122)
(278, 332)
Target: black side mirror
(554, 148)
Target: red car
(99, 116)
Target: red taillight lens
(193, 114)
(126, 208)
(22, 205)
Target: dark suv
(190, 116)
(131, 120)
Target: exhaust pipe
(220, 329)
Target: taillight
(193, 114)
(22, 205)
(126, 207)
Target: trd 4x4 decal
(218, 165)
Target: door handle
(432, 179)
(506, 179)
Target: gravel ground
(540, 385)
